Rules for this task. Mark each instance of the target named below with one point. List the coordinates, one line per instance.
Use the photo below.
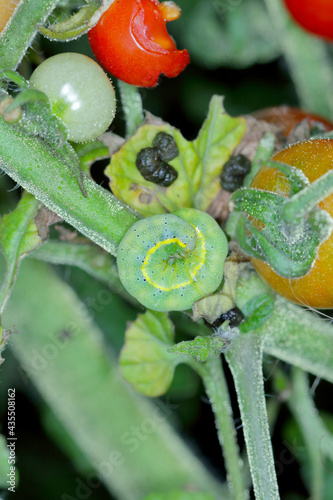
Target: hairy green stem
(245, 361)
(38, 167)
(217, 391)
(21, 29)
(314, 434)
(132, 106)
(11, 248)
(308, 60)
(92, 259)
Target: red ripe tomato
(286, 118)
(315, 16)
(131, 42)
(314, 158)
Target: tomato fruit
(80, 93)
(6, 10)
(286, 118)
(131, 42)
(314, 158)
(315, 16)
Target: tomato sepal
(257, 311)
(37, 120)
(285, 233)
(308, 198)
(8, 75)
(73, 27)
(281, 254)
(297, 180)
(247, 200)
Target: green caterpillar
(169, 261)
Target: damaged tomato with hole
(132, 43)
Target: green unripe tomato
(80, 93)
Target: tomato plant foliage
(154, 238)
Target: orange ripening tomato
(131, 42)
(286, 118)
(7, 8)
(315, 16)
(314, 158)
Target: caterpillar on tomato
(169, 261)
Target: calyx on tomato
(284, 226)
(131, 42)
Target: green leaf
(146, 197)
(234, 34)
(198, 165)
(203, 348)
(257, 311)
(64, 354)
(217, 139)
(180, 495)
(144, 360)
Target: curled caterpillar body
(169, 261)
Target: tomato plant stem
(39, 168)
(131, 105)
(11, 245)
(92, 259)
(217, 391)
(305, 413)
(21, 29)
(245, 361)
(308, 62)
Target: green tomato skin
(169, 261)
(80, 93)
